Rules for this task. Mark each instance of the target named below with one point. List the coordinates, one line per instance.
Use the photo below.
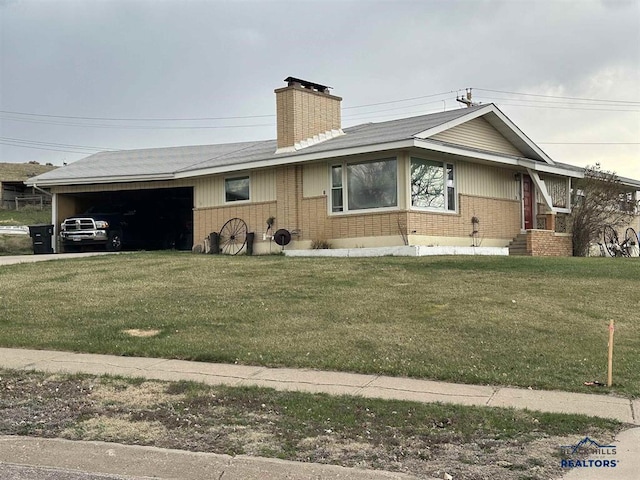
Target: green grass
(21, 244)
(538, 322)
(25, 216)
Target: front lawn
(530, 322)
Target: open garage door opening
(154, 219)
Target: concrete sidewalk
(96, 456)
(335, 383)
(15, 259)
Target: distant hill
(19, 172)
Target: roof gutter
(299, 158)
(102, 180)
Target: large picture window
(364, 185)
(432, 185)
(236, 189)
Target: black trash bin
(214, 243)
(250, 238)
(41, 237)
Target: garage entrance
(152, 219)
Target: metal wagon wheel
(631, 243)
(233, 236)
(611, 242)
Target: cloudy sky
(81, 76)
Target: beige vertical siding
(478, 133)
(484, 181)
(263, 185)
(209, 191)
(315, 179)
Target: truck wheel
(114, 242)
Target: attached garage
(156, 215)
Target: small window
(236, 189)
(432, 185)
(336, 188)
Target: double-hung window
(433, 185)
(236, 189)
(364, 185)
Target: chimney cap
(306, 84)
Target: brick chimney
(306, 113)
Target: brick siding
(545, 243)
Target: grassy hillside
(21, 171)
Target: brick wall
(207, 220)
(545, 243)
(288, 197)
(498, 219)
(309, 216)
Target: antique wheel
(631, 242)
(611, 241)
(233, 236)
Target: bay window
(432, 185)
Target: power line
(44, 148)
(52, 144)
(136, 127)
(557, 96)
(602, 102)
(569, 107)
(69, 117)
(198, 119)
(398, 101)
(588, 143)
(49, 119)
(551, 102)
(373, 114)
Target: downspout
(36, 187)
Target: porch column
(550, 221)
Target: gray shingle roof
(164, 162)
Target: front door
(527, 201)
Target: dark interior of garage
(154, 219)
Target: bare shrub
(599, 199)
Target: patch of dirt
(144, 396)
(502, 460)
(116, 429)
(238, 421)
(134, 332)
